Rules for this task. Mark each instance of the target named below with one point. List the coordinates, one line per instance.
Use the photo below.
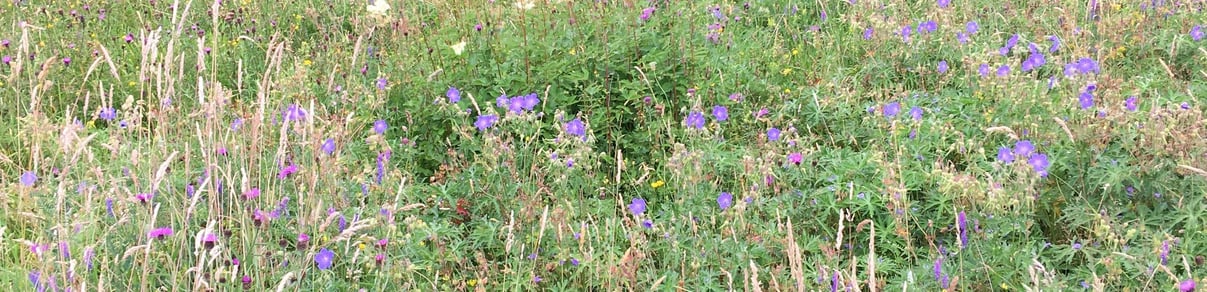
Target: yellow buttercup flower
(307, 62)
(657, 184)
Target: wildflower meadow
(603, 145)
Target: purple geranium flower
(324, 259)
(485, 122)
(1040, 163)
(328, 146)
(1003, 70)
(637, 206)
(773, 134)
(1024, 148)
(453, 94)
(942, 67)
(380, 127)
(725, 200)
(575, 127)
(892, 109)
(1130, 103)
(1005, 155)
(28, 178)
(720, 113)
(1196, 34)
(107, 114)
(983, 70)
(916, 113)
(867, 33)
(972, 27)
(695, 120)
(1086, 100)
(905, 31)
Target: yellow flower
(795, 52)
(132, 83)
(786, 71)
(361, 246)
(307, 62)
(787, 90)
(657, 184)
(472, 282)
(573, 52)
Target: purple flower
(485, 122)
(695, 120)
(515, 105)
(720, 113)
(646, 13)
(575, 127)
(160, 233)
(324, 258)
(107, 114)
(1130, 103)
(6, 59)
(66, 61)
(88, 254)
(943, 67)
(536, 279)
(1164, 254)
(453, 94)
(251, 193)
(1196, 34)
(1024, 148)
(773, 134)
(64, 251)
(795, 158)
(1040, 163)
(905, 31)
(109, 206)
(928, 26)
(892, 109)
(1055, 44)
(328, 146)
(530, 101)
(938, 269)
(478, 27)
(725, 200)
(916, 113)
(1005, 155)
(235, 124)
(287, 170)
(28, 178)
(944, 3)
(381, 83)
(380, 127)
(1086, 100)
(1003, 70)
(647, 224)
(293, 113)
(1188, 284)
(867, 33)
(1185, 105)
(637, 206)
(962, 37)
(972, 27)
(984, 70)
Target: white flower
(524, 4)
(378, 7)
(457, 48)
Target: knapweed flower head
(646, 13)
(160, 233)
(28, 178)
(485, 122)
(637, 206)
(575, 127)
(287, 171)
(695, 120)
(251, 193)
(795, 158)
(724, 200)
(380, 127)
(1188, 284)
(720, 113)
(144, 197)
(324, 259)
(453, 94)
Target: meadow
(603, 145)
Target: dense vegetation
(602, 145)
